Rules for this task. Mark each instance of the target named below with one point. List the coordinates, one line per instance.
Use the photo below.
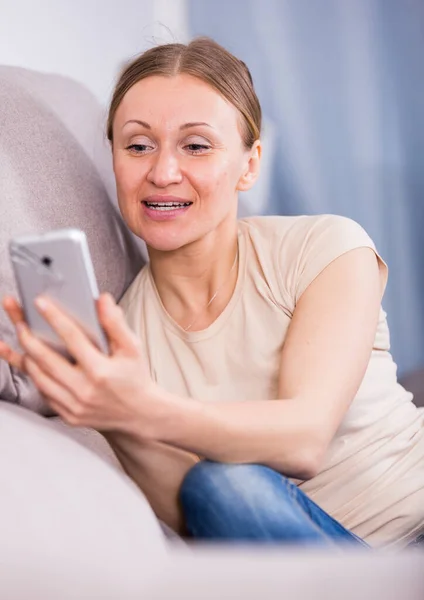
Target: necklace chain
(214, 295)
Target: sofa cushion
(72, 526)
(48, 181)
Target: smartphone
(57, 264)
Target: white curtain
(341, 83)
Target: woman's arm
(325, 355)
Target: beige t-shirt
(372, 480)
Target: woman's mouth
(165, 208)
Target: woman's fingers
(60, 399)
(15, 359)
(114, 324)
(13, 309)
(53, 364)
(16, 315)
(76, 341)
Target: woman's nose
(165, 169)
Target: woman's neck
(197, 281)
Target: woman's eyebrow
(195, 124)
(142, 123)
(185, 126)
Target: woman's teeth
(167, 205)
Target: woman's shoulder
(304, 236)
(298, 248)
(299, 227)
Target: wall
(85, 39)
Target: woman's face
(179, 160)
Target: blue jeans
(253, 503)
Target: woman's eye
(197, 148)
(138, 148)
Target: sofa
(72, 524)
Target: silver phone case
(57, 264)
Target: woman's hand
(108, 393)
(16, 315)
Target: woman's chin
(165, 241)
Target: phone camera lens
(47, 261)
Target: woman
(249, 390)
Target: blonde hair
(202, 58)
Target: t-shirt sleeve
(318, 242)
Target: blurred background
(341, 84)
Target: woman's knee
(222, 484)
(227, 501)
(203, 480)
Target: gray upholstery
(54, 168)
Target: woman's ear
(252, 168)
